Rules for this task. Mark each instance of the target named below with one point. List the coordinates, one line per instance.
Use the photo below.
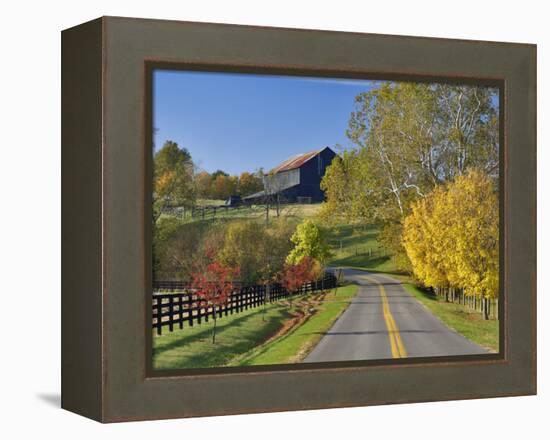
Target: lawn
(246, 339)
(466, 322)
(236, 334)
(356, 246)
(293, 346)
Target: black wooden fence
(179, 309)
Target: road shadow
(52, 399)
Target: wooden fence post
(171, 313)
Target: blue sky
(241, 122)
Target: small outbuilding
(233, 201)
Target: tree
(277, 247)
(258, 251)
(219, 173)
(175, 247)
(409, 138)
(390, 238)
(245, 245)
(223, 186)
(416, 136)
(423, 237)
(295, 275)
(249, 184)
(173, 184)
(309, 241)
(203, 182)
(170, 157)
(213, 287)
(451, 237)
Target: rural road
(384, 321)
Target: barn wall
(311, 174)
(301, 182)
(282, 180)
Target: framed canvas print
(341, 219)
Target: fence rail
(487, 307)
(180, 309)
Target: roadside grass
(466, 322)
(246, 339)
(293, 347)
(236, 334)
(356, 247)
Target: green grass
(466, 322)
(246, 339)
(293, 346)
(236, 334)
(356, 246)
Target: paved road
(384, 321)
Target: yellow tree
(422, 239)
(204, 184)
(249, 184)
(173, 184)
(475, 254)
(451, 237)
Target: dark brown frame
(106, 236)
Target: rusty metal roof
(295, 161)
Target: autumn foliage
(294, 276)
(213, 286)
(451, 236)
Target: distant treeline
(220, 185)
(178, 182)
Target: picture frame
(106, 204)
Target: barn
(297, 179)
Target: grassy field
(294, 345)
(466, 322)
(356, 246)
(204, 212)
(236, 334)
(246, 339)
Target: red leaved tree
(295, 275)
(213, 287)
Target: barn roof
(296, 161)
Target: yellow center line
(396, 343)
